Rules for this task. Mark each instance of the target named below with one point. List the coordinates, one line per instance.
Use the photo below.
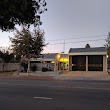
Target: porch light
(58, 56)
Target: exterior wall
(63, 62)
(56, 65)
(39, 65)
(89, 53)
(10, 66)
(104, 63)
(42, 59)
(70, 63)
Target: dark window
(95, 63)
(79, 63)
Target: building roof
(49, 55)
(95, 49)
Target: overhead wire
(77, 41)
(76, 38)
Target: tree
(28, 44)
(107, 45)
(6, 57)
(20, 12)
(87, 46)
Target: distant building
(88, 59)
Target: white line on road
(46, 98)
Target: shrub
(25, 66)
(34, 68)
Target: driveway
(82, 75)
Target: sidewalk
(68, 75)
(82, 75)
(40, 73)
(33, 75)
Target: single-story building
(88, 59)
(53, 61)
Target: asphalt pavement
(32, 94)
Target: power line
(77, 41)
(77, 38)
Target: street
(28, 94)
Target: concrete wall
(9, 66)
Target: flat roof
(49, 55)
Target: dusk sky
(72, 19)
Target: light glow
(52, 62)
(63, 60)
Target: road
(28, 94)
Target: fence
(9, 66)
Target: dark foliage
(6, 57)
(28, 44)
(20, 12)
(87, 46)
(107, 45)
(33, 68)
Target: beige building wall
(56, 62)
(104, 63)
(56, 65)
(70, 63)
(86, 63)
